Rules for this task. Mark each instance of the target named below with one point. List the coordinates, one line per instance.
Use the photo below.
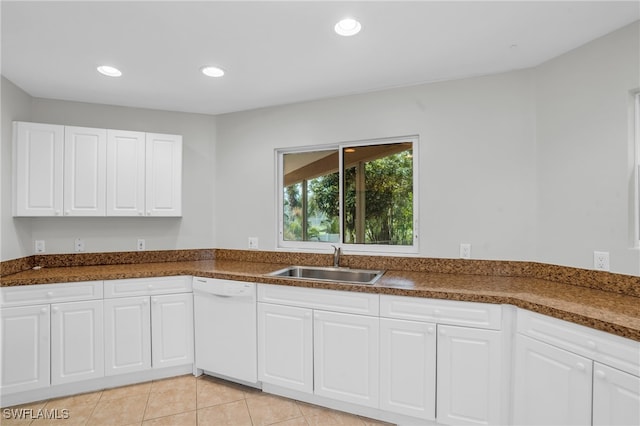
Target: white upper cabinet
(163, 175)
(125, 173)
(85, 162)
(38, 151)
(81, 171)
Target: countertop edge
(520, 300)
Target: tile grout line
(248, 411)
(146, 405)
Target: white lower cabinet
(51, 334)
(345, 358)
(443, 360)
(172, 330)
(65, 338)
(469, 376)
(408, 368)
(403, 359)
(561, 378)
(285, 346)
(552, 386)
(77, 348)
(320, 342)
(25, 348)
(127, 329)
(329, 354)
(150, 330)
(616, 397)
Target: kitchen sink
(357, 276)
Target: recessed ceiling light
(109, 71)
(348, 27)
(212, 71)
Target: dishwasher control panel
(223, 287)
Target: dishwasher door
(225, 328)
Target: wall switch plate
(40, 246)
(465, 251)
(253, 242)
(79, 245)
(601, 260)
(141, 244)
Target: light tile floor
(184, 401)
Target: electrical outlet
(79, 245)
(141, 244)
(601, 260)
(39, 246)
(253, 242)
(465, 251)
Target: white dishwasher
(225, 328)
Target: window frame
(313, 246)
(636, 166)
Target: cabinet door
(163, 175)
(285, 346)
(172, 330)
(552, 386)
(346, 357)
(125, 173)
(25, 348)
(85, 161)
(616, 397)
(408, 368)
(469, 373)
(38, 169)
(127, 330)
(77, 341)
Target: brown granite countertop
(603, 310)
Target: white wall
(585, 150)
(195, 229)
(477, 160)
(14, 233)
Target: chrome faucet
(337, 251)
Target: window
(360, 194)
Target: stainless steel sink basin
(358, 276)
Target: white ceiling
(280, 52)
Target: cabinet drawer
(470, 314)
(50, 293)
(147, 286)
(317, 298)
(609, 349)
